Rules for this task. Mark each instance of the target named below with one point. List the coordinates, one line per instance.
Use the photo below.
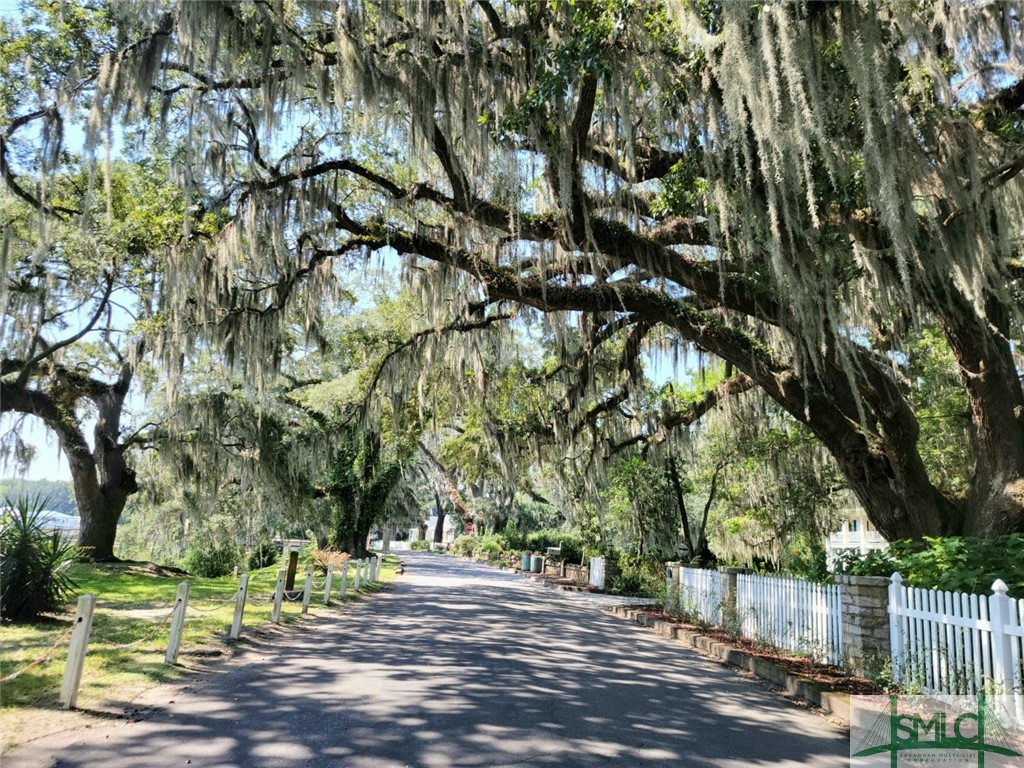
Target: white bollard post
(356, 584)
(307, 589)
(376, 568)
(76, 651)
(275, 617)
(327, 583)
(344, 579)
(243, 593)
(177, 624)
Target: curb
(836, 705)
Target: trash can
(536, 563)
(525, 566)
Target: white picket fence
(792, 614)
(597, 573)
(956, 643)
(699, 593)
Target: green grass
(129, 636)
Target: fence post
(177, 624)
(730, 613)
(344, 579)
(327, 583)
(242, 594)
(293, 564)
(897, 643)
(867, 631)
(356, 583)
(999, 606)
(376, 568)
(672, 601)
(275, 617)
(307, 589)
(76, 651)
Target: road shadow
(463, 665)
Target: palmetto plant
(33, 562)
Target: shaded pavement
(461, 665)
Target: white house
(857, 533)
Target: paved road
(463, 665)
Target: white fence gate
(791, 614)
(955, 643)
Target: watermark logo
(917, 731)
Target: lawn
(129, 636)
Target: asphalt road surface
(461, 665)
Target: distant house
(857, 533)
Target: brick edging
(832, 703)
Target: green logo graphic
(949, 730)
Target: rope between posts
(319, 584)
(288, 595)
(152, 633)
(47, 655)
(206, 611)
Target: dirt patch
(829, 677)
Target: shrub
(464, 545)
(419, 545)
(321, 558)
(33, 562)
(489, 547)
(638, 577)
(263, 555)
(954, 563)
(210, 562)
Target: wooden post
(177, 624)
(278, 596)
(327, 583)
(293, 564)
(240, 597)
(76, 651)
(307, 589)
(356, 584)
(344, 579)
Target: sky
(49, 463)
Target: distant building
(857, 533)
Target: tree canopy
(802, 191)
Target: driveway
(461, 665)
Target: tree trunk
(102, 479)
(439, 525)
(673, 473)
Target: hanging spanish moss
(792, 188)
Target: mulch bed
(826, 675)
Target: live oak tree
(797, 190)
(81, 295)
